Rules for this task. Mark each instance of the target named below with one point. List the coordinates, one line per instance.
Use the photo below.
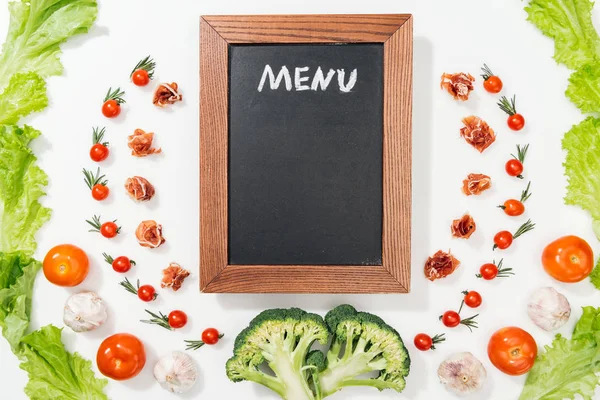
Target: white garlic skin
(176, 372)
(548, 309)
(84, 312)
(462, 374)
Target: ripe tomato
(488, 271)
(121, 356)
(516, 122)
(111, 108)
(512, 350)
(514, 167)
(109, 229)
(100, 192)
(177, 319)
(122, 264)
(423, 342)
(450, 319)
(212, 336)
(503, 240)
(472, 298)
(493, 84)
(568, 259)
(99, 152)
(146, 293)
(140, 77)
(66, 265)
(513, 207)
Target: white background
(447, 37)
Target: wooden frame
(216, 33)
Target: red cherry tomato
(493, 84)
(100, 192)
(122, 264)
(472, 299)
(488, 271)
(503, 240)
(109, 229)
(111, 108)
(140, 77)
(177, 319)
(450, 319)
(146, 293)
(210, 336)
(99, 152)
(513, 207)
(514, 167)
(516, 122)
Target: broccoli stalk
(282, 339)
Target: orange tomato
(121, 356)
(66, 265)
(568, 259)
(512, 350)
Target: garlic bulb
(176, 372)
(548, 309)
(84, 312)
(462, 374)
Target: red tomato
(177, 319)
(516, 122)
(122, 264)
(423, 342)
(493, 84)
(99, 152)
(512, 350)
(146, 293)
(100, 192)
(66, 265)
(503, 240)
(472, 299)
(514, 167)
(140, 77)
(568, 259)
(111, 108)
(109, 229)
(488, 271)
(513, 207)
(121, 356)
(210, 336)
(450, 319)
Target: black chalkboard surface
(305, 154)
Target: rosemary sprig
(487, 73)
(160, 320)
(132, 289)
(147, 64)
(98, 136)
(521, 154)
(116, 95)
(526, 227)
(437, 339)
(525, 194)
(508, 106)
(502, 272)
(108, 258)
(95, 223)
(470, 322)
(196, 344)
(91, 180)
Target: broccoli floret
(315, 364)
(363, 343)
(282, 338)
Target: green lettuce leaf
(25, 93)
(569, 23)
(582, 168)
(54, 373)
(595, 275)
(36, 30)
(17, 275)
(21, 185)
(588, 325)
(584, 88)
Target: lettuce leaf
(569, 23)
(25, 93)
(584, 88)
(54, 373)
(17, 275)
(21, 185)
(568, 367)
(595, 275)
(36, 30)
(582, 167)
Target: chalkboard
(305, 154)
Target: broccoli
(361, 343)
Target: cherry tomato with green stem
(472, 298)
(120, 264)
(513, 207)
(145, 293)
(425, 342)
(490, 271)
(99, 151)
(97, 184)
(504, 239)
(515, 121)
(112, 103)
(491, 83)
(107, 229)
(143, 72)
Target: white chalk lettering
(351, 81)
(275, 82)
(299, 79)
(320, 80)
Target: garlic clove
(176, 372)
(462, 374)
(548, 308)
(84, 312)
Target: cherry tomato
(100, 192)
(111, 108)
(503, 240)
(122, 264)
(423, 342)
(488, 271)
(516, 122)
(450, 319)
(146, 293)
(472, 298)
(66, 265)
(99, 152)
(493, 84)
(513, 207)
(140, 77)
(568, 259)
(512, 350)
(121, 356)
(177, 319)
(210, 336)
(514, 167)
(109, 229)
